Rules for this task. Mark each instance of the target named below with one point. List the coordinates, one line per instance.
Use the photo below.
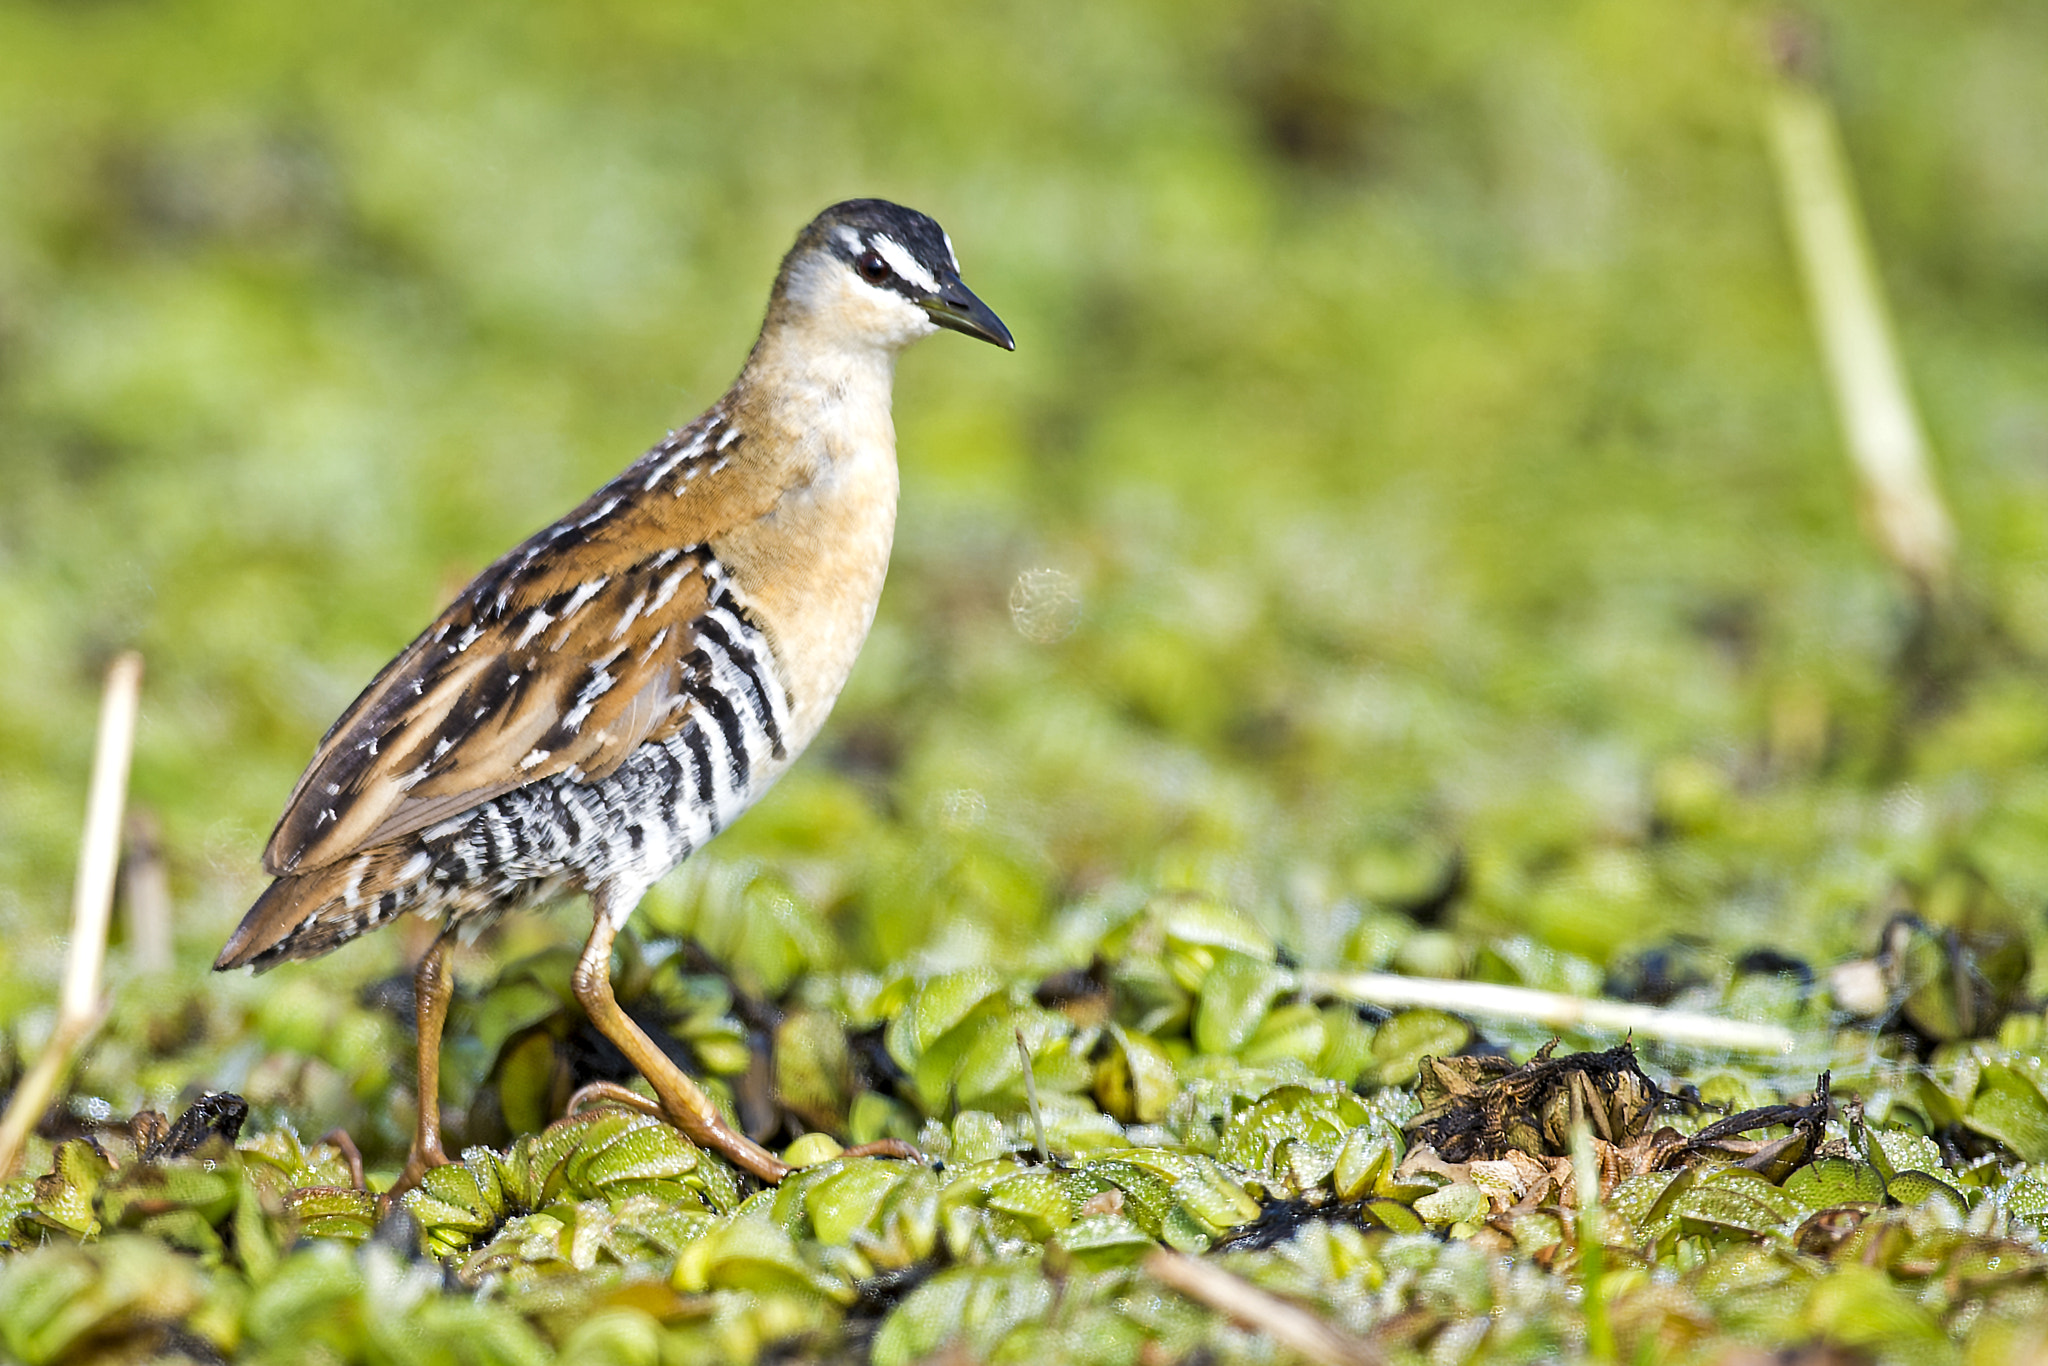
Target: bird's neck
(805, 360)
(821, 402)
(814, 562)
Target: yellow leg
(432, 986)
(685, 1103)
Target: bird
(613, 692)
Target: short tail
(307, 914)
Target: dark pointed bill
(955, 306)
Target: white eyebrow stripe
(951, 255)
(904, 264)
(850, 237)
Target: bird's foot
(346, 1146)
(711, 1131)
(423, 1159)
(706, 1131)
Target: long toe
(734, 1146)
(611, 1093)
(417, 1165)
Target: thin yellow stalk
(81, 1007)
(1887, 444)
(1550, 1009)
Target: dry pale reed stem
(146, 895)
(99, 854)
(1551, 1009)
(1288, 1324)
(1887, 443)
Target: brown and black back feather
(561, 659)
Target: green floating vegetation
(1302, 1170)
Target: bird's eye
(872, 267)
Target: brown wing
(559, 657)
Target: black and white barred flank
(626, 830)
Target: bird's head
(868, 272)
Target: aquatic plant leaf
(55, 1300)
(1918, 1188)
(1233, 1000)
(846, 1200)
(1366, 1154)
(973, 1306)
(1829, 1181)
(1319, 1117)
(2011, 1111)
(333, 1212)
(644, 1152)
(1400, 1045)
(935, 1007)
(1096, 1242)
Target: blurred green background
(1414, 493)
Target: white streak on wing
(351, 893)
(682, 452)
(627, 618)
(668, 589)
(600, 683)
(537, 621)
(904, 264)
(583, 594)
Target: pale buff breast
(811, 570)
